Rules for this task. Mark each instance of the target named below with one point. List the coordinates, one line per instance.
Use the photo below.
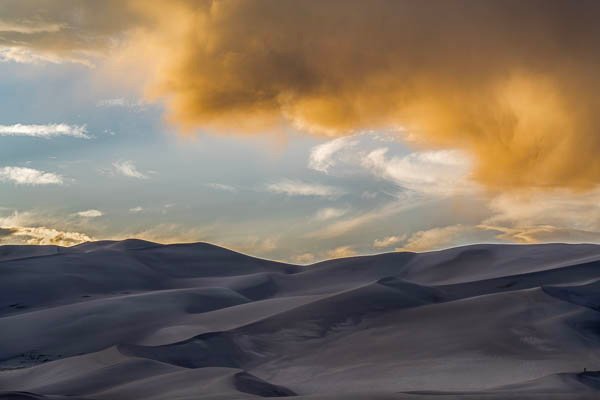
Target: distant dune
(139, 320)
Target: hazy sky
(300, 130)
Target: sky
(300, 131)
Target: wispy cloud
(90, 213)
(436, 173)
(167, 233)
(254, 245)
(45, 131)
(441, 237)
(352, 223)
(542, 233)
(137, 105)
(340, 252)
(388, 241)
(221, 186)
(128, 168)
(300, 188)
(304, 258)
(29, 176)
(441, 172)
(27, 56)
(136, 210)
(28, 27)
(328, 213)
(457, 235)
(322, 156)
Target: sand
(138, 320)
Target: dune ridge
(134, 319)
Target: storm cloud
(512, 83)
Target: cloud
(436, 173)
(304, 258)
(18, 228)
(543, 234)
(177, 233)
(457, 235)
(300, 188)
(165, 233)
(328, 213)
(559, 208)
(545, 216)
(254, 245)
(128, 169)
(512, 83)
(353, 222)
(45, 236)
(27, 56)
(45, 131)
(138, 105)
(136, 210)
(444, 237)
(28, 27)
(90, 213)
(496, 85)
(222, 187)
(321, 156)
(63, 30)
(341, 252)
(388, 241)
(29, 176)
(441, 172)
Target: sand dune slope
(138, 320)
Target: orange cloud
(514, 83)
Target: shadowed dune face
(133, 319)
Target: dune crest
(140, 320)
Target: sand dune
(139, 320)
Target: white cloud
(441, 172)
(330, 213)
(299, 188)
(20, 228)
(90, 213)
(388, 241)
(45, 131)
(321, 156)
(128, 168)
(24, 55)
(436, 173)
(135, 210)
(43, 236)
(29, 176)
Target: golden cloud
(514, 83)
(41, 236)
